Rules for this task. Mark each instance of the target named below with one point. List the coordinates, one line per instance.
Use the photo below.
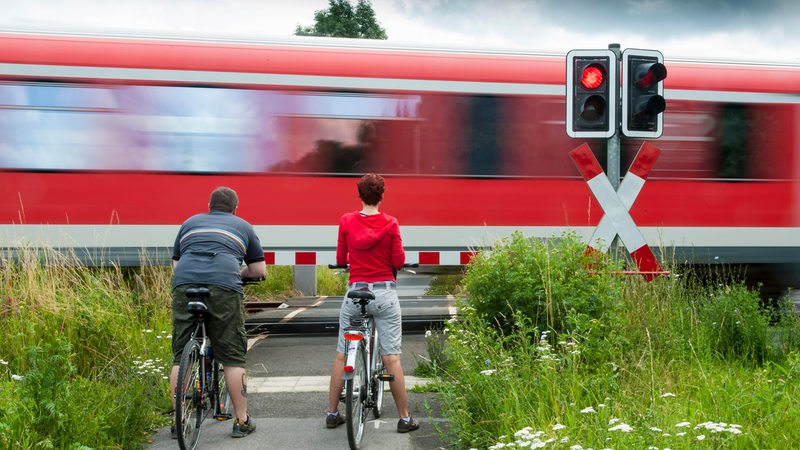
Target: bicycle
(364, 372)
(201, 387)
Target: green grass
(85, 353)
(546, 354)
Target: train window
(733, 141)
(54, 126)
(342, 132)
(728, 141)
(756, 141)
(484, 135)
(196, 129)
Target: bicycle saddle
(361, 294)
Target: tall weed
(86, 353)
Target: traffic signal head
(592, 80)
(643, 73)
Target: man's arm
(257, 269)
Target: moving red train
(108, 143)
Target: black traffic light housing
(592, 83)
(643, 73)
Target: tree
(341, 20)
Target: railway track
(320, 315)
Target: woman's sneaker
(404, 426)
(242, 429)
(334, 420)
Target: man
(209, 251)
(370, 242)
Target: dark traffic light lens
(592, 77)
(649, 74)
(594, 108)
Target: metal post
(304, 279)
(612, 144)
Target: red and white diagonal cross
(617, 220)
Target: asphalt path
(288, 390)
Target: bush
(547, 282)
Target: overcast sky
(710, 29)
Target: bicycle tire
(189, 397)
(223, 405)
(377, 384)
(356, 399)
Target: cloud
(717, 29)
(711, 29)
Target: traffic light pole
(612, 144)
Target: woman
(369, 241)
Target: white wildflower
(625, 428)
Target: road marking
(320, 383)
(297, 311)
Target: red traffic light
(592, 76)
(592, 84)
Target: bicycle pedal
(223, 417)
(386, 377)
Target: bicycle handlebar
(347, 266)
(252, 280)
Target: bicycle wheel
(223, 406)
(356, 399)
(189, 397)
(377, 384)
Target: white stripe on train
(293, 238)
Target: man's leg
(236, 380)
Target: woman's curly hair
(371, 189)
